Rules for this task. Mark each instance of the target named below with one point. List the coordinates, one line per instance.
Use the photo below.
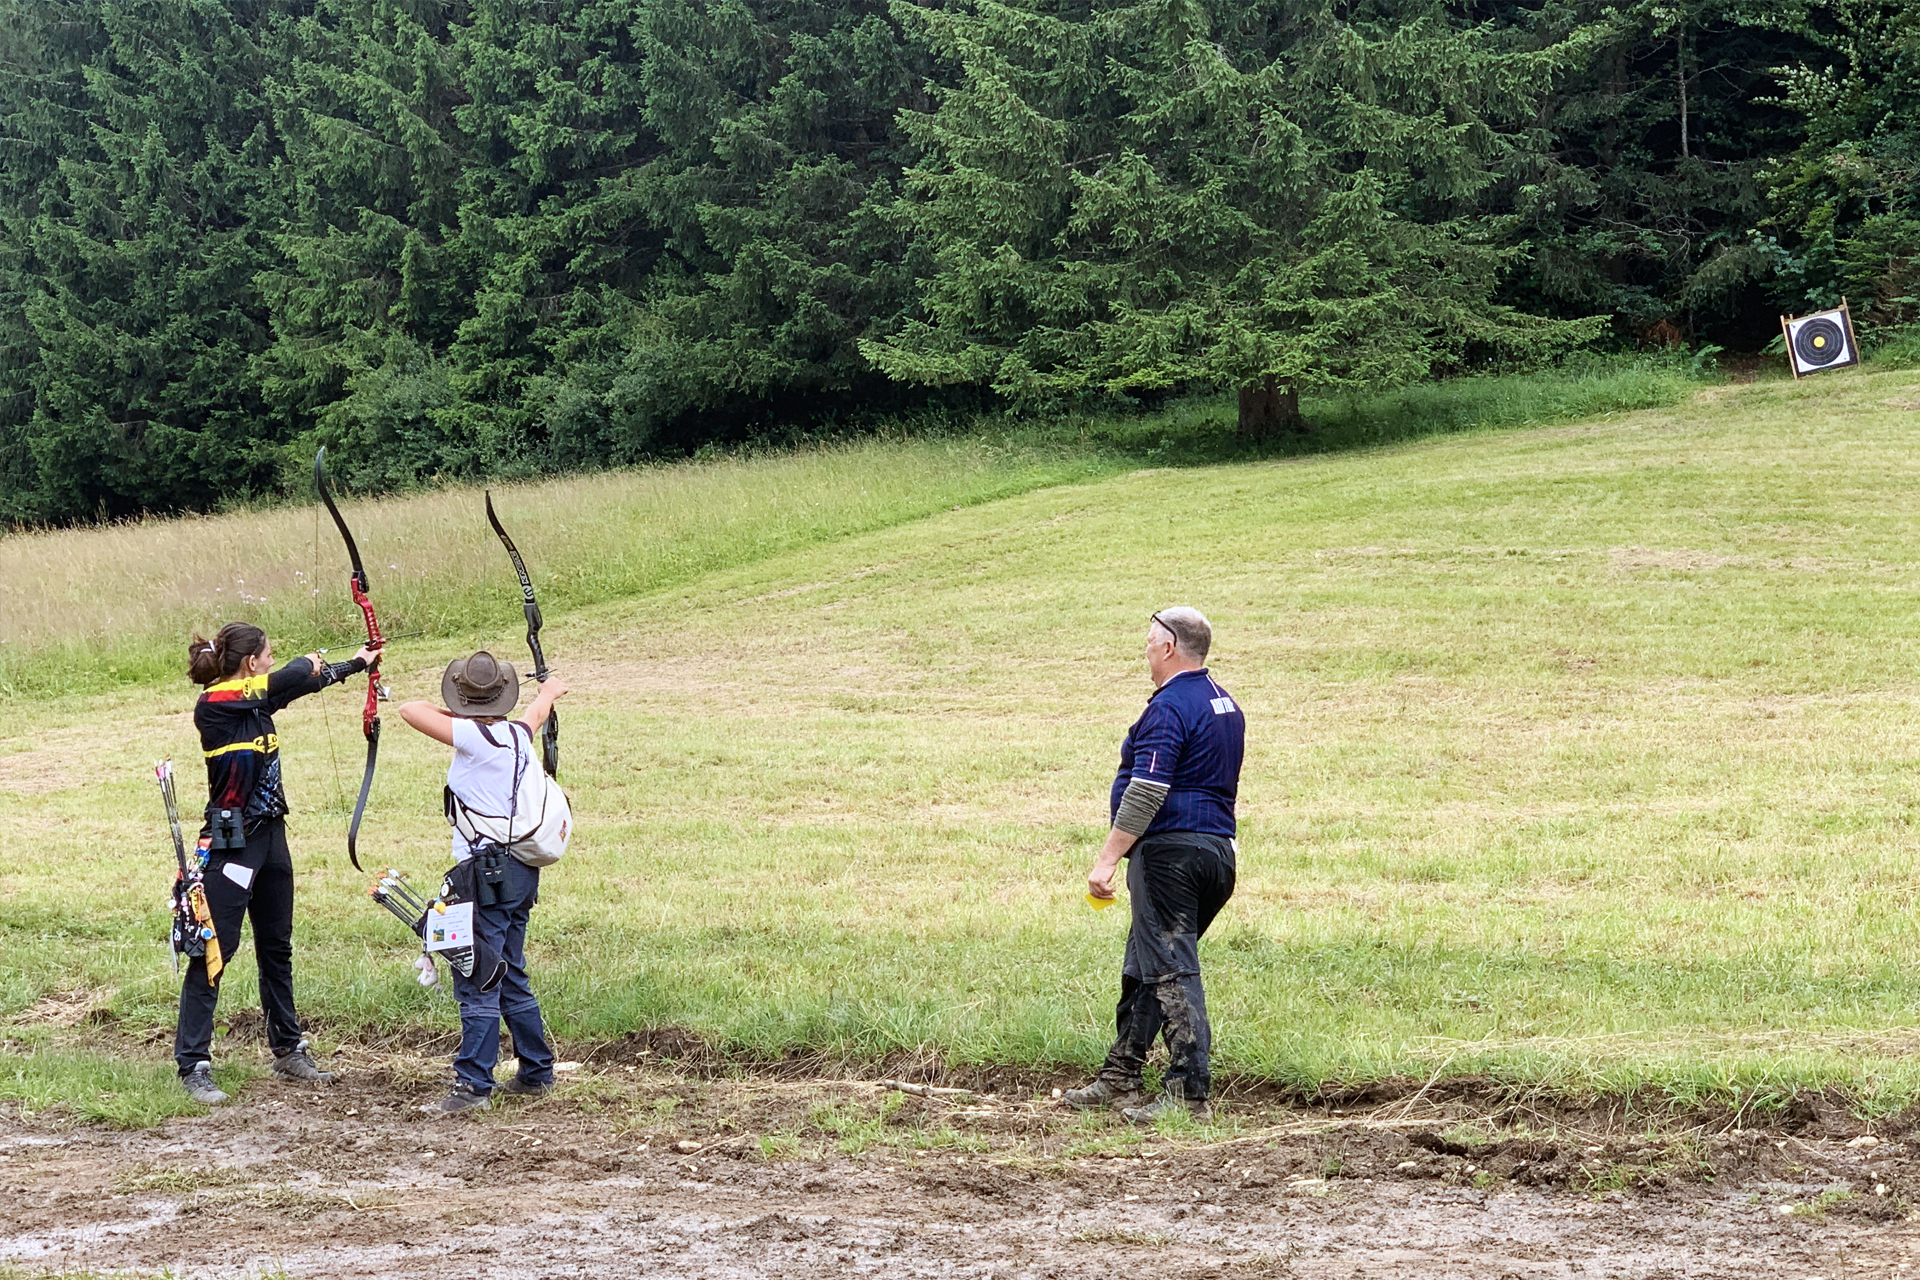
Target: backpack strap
(454, 807)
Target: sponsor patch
(1224, 707)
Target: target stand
(1820, 341)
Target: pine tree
(772, 194)
(126, 204)
(1279, 197)
(1846, 203)
(1649, 207)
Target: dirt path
(629, 1171)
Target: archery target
(1823, 340)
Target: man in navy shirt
(1173, 820)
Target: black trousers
(1177, 884)
(266, 900)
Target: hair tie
(208, 649)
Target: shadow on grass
(1202, 432)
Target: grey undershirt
(1138, 805)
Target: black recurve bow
(550, 732)
(370, 717)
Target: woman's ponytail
(211, 661)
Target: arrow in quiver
(1819, 341)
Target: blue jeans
(503, 928)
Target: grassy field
(1579, 757)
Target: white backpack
(537, 839)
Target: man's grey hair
(1192, 633)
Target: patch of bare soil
(631, 1170)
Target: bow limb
(550, 731)
(370, 714)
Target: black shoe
(521, 1087)
(1102, 1094)
(200, 1086)
(463, 1097)
(1167, 1104)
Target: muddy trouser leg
(1136, 1022)
(1184, 881)
(271, 912)
(517, 1003)
(193, 1035)
(1137, 1018)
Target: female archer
(248, 872)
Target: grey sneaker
(1101, 1094)
(200, 1086)
(1199, 1109)
(299, 1065)
(464, 1098)
(520, 1087)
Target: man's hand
(1100, 879)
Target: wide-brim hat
(480, 686)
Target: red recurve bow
(370, 717)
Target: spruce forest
(468, 238)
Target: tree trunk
(1267, 408)
(1680, 73)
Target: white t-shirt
(482, 774)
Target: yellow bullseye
(1819, 342)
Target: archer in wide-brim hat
(480, 686)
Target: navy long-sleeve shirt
(1190, 739)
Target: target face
(1823, 340)
(1819, 342)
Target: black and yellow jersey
(235, 719)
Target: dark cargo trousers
(266, 899)
(1177, 883)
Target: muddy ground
(634, 1168)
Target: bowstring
(326, 716)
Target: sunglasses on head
(1173, 637)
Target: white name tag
(242, 876)
(1224, 706)
(451, 929)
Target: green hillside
(1579, 756)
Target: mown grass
(1581, 758)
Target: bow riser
(370, 716)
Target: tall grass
(1199, 432)
(114, 605)
(1896, 348)
(117, 603)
